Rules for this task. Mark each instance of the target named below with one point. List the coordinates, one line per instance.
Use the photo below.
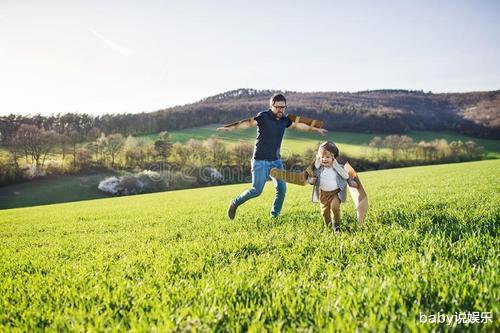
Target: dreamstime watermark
(465, 317)
(172, 173)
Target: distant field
(70, 188)
(353, 144)
(350, 143)
(172, 261)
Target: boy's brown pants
(329, 202)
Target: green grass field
(52, 190)
(172, 261)
(350, 143)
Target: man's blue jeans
(260, 174)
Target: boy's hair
(331, 147)
(277, 98)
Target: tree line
(34, 151)
(379, 111)
(403, 148)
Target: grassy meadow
(171, 261)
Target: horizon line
(267, 89)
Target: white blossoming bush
(142, 182)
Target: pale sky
(131, 56)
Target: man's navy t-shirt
(270, 133)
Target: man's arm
(245, 123)
(307, 125)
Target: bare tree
(441, 147)
(456, 149)
(242, 153)
(406, 145)
(74, 138)
(83, 158)
(29, 137)
(13, 147)
(163, 145)
(472, 149)
(49, 141)
(376, 143)
(180, 153)
(36, 143)
(113, 146)
(101, 144)
(135, 151)
(198, 151)
(392, 142)
(216, 150)
(63, 140)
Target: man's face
(278, 108)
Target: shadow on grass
(52, 190)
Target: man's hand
(308, 128)
(225, 129)
(321, 131)
(352, 183)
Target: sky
(124, 56)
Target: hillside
(386, 111)
(172, 261)
(475, 114)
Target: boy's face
(325, 157)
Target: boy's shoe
(231, 210)
(336, 229)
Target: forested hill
(387, 111)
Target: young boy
(330, 180)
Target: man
(271, 127)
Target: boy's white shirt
(336, 166)
(328, 180)
(361, 206)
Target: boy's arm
(304, 124)
(245, 123)
(352, 176)
(309, 175)
(352, 183)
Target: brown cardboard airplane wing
(297, 178)
(304, 120)
(358, 195)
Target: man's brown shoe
(231, 210)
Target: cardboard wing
(245, 123)
(358, 195)
(297, 178)
(307, 121)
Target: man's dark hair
(277, 98)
